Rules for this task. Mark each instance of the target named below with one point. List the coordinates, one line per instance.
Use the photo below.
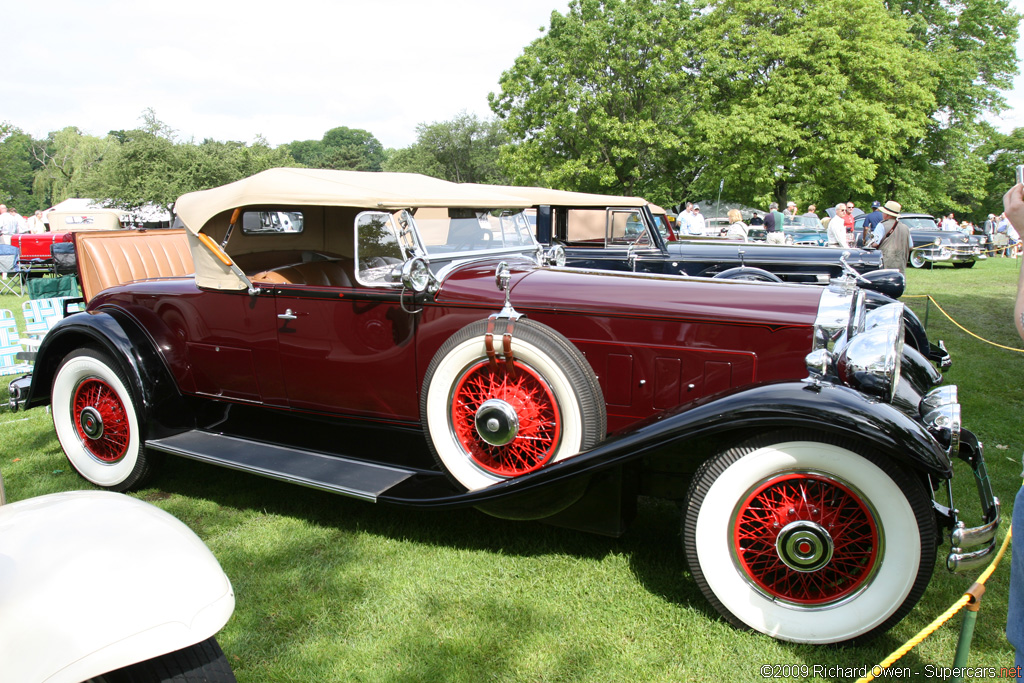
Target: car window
(919, 223)
(272, 222)
(627, 228)
(457, 231)
(378, 249)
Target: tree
(1002, 154)
(341, 148)
(463, 150)
(68, 160)
(805, 100)
(601, 102)
(16, 170)
(814, 101)
(973, 44)
(150, 166)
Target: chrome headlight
(889, 315)
(941, 414)
(870, 361)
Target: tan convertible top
(317, 187)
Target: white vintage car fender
(92, 581)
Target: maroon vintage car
(306, 325)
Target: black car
(619, 233)
(932, 244)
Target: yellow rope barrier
(941, 310)
(942, 619)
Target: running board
(333, 473)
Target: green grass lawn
(333, 589)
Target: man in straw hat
(892, 237)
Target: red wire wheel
(806, 539)
(521, 409)
(100, 420)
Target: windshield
(458, 231)
(919, 222)
(802, 222)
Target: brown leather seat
(314, 273)
(118, 257)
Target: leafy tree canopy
(463, 150)
(785, 99)
(16, 170)
(601, 101)
(342, 148)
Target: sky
(287, 70)
(284, 70)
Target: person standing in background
(737, 228)
(837, 227)
(850, 227)
(1013, 203)
(871, 221)
(773, 224)
(36, 224)
(892, 238)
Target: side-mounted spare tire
(491, 419)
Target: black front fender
(718, 423)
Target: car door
(345, 337)
(609, 239)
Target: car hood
(955, 237)
(729, 252)
(569, 290)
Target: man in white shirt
(689, 221)
(8, 222)
(836, 229)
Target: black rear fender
(120, 337)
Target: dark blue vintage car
(622, 234)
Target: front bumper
(949, 254)
(963, 538)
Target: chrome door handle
(287, 315)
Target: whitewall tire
(809, 539)
(97, 422)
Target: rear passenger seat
(314, 273)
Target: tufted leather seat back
(117, 257)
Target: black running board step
(333, 473)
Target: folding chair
(10, 346)
(9, 266)
(64, 259)
(40, 317)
